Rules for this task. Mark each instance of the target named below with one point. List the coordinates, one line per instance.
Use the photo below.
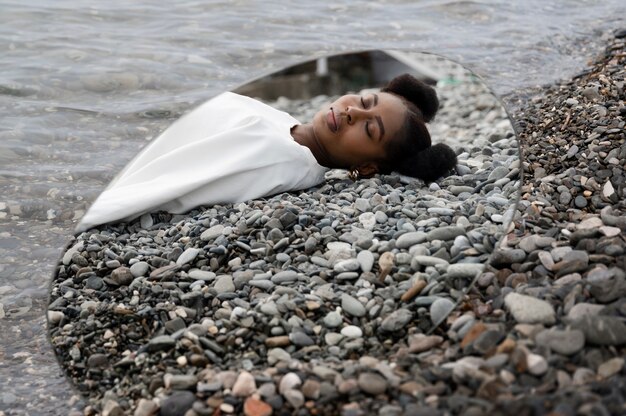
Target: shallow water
(83, 88)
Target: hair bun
(410, 88)
(430, 164)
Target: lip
(331, 120)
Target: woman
(233, 148)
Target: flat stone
(180, 381)
(278, 341)
(352, 306)
(588, 223)
(445, 233)
(607, 285)
(583, 309)
(224, 284)
(203, 275)
(97, 360)
(286, 276)
(601, 330)
(212, 233)
(498, 173)
(409, 239)
(566, 342)
(426, 261)
(188, 256)
(487, 341)
(349, 265)
(464, 270)
(546, 260)
(372, 383)
(332, 338)
(301, 339)
(573, 261)
(533, 242)
(421, 342)
(611, 367)
(177, 404)
(529, 310)
(396, 320)
(501, 258)
(161, 343)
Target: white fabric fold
(230, 149)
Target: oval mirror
(320, 297)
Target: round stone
(352, 306)
(122, 276)
(352, 331)
(139, 269)
(440, 309)
(372, 383)
(333, 319)
(177, 404)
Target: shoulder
(244, 107)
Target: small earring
(353, 174)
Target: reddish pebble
(255, 407)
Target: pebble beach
(385, 296)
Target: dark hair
(411, 153)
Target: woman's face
(355, 129)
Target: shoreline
(524, 359)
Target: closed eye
(363, 103)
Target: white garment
(230, 149)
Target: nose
(353, 114)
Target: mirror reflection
(287, 245)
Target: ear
(368, 169)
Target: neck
(305, 136)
